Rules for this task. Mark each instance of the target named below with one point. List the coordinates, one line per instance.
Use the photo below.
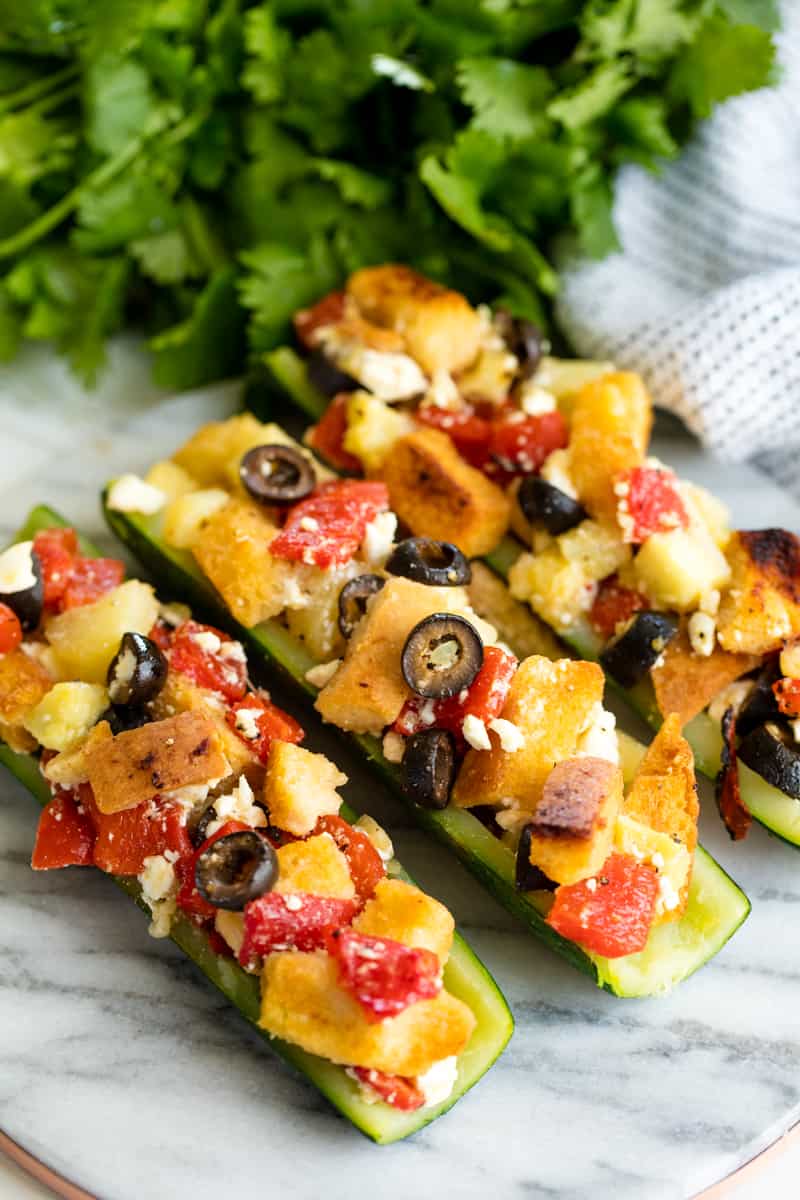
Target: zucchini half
(465, 976)
(716, 909)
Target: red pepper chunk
(327, 311)
(327, 436)
(610, 914)
(384, 976)
(210, 658)
(649, 502)
(520, 444)
(485, 698)
(291, 921)
(366, 865)
(326, 529)
(469, 432)
(65, 835)
(397, 1090)
(189, 899)
(272, 724)
(125, 839)
(57, 550)
(90, 579)
(10, 630)
(787, 694)
(613, 604)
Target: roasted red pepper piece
(469, 432)
(787, 694)
(291, 921)
(611, 913)
(613, 604)
(485, 698)
(520, 444)
(90, 579)
(10, 630)
(327, 311)
(366, 865)
(210, 658)
(327, 437)
(65, 836)
(727, 792)
(396, 1090)
(273, 724)
(326, 529)
(125, 839)
(189, 899)
(57, 550)
(649, 502)
(384, 976)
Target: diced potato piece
(761, 609)
(303, 1002)
(164, 756)
(566, 377)
(670, 858)
(230, 926)
(490, 377)
(440, 327)
(316, 624)
(368, 690)
(23, 683)
(316, 866)
(71, 767)
(400, 911)
(573, 825)
(85, 639)
(180, 694)
(186, 516)
(437, 494)
(596, 547)
(66, 714)
(18, 739)
(677, 568)
(514, 622)
(551, 703)
(686, 683)
(170, 479)
(300, 787)
(556, 589)
(610, 430)
(373, 429)
(709, 511)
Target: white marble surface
(120, 1068)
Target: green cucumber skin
(492, 862)
(379, 1122)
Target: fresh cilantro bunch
(201, 168)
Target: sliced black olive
(276, 474)
(353, 600)
(524, 339)
(235, 869)
(439, 564)
(630, 655)
(124, 718)
(137, 672)
(198, 832)
(326, 376)
(761, 704)
(542, 503)
(429, 768)
(22, 584)
(442, 655)
(527, 877)
(769, 752)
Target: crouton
(440, 327)
(23, 683)
(437, 494)
(213, 454)
(181, 694)
(316, 866)
(551, 704)
(71, 767)
(300, 787)
(684, 682)
(610, 430)
(761, 608)
(573, 825)
(303, 1002)
(164, 756)
(400, 911)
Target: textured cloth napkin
(704, 298)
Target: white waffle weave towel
(704, 298)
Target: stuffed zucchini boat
(383, 635)
(157, 760)
(476, 432)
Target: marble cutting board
(125, 1072)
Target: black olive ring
(276, 474)
(442, 655)
(438, 564)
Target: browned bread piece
(181, 694)
(315, 866)
(160, 757)
(23, 683)
(439, 495)
(761, 607)
(300, 787)
(303, 1002)
(233, 551)
(402, 912)
(685, 683)
(573, 825)
(441, 328)
(210, 450)
(610, 430)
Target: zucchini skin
(380, 1122)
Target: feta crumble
(16, 568)
(702, 634)
(555, 470)
(379, 538)
(238, 805)
(443, 392)
(510, 735)
(208, 642)
(159, 885)
(438, 1081)
(377, 835)
(394, 746)
(599, 737)
(475, 734)
(129, 493)
(247, 723)
(323, 673)
(534, 399)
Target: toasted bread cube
(400, 911)
(85, 639)
(300, 787)
(685, 683)
(368, 690)
(316, 866)
(437, 494)
(23, 683)
(677, 568)
(573, 825)
(440, 326)
(209, 452)
(610, 429)
(71, 767)
(66, 713)
(761, 608)
(165, 756)
(170, 479)
(181, 694)
(490, 377)
(566, 377)
(551, 703)
(373, 429)
(303, 1002)
(186, 516)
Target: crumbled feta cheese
(667, 899)
(174, 614)
(379, 538)
(387, 376)
(377, 835)
(709, 602)
(795, 728)
(599, 737)
(309, 524)
(510, 735)
(192, 795)
(159, 885)
(208, 642)
(323, 673)
(44, 655)
(438, 1081)
(443, 392)
(129, 493)
(475, 734)
(16, 568)
(702, 634)
(591, 884)
(534, 399)
(247, 723)
(293, 902)
(732, 696)
(238, 805)
(555, 470)
(790, 660)
(124, 668)
(427, 714)
(230, 926)
(394, 746)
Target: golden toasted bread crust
(761, 608)
(685, 683)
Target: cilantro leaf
(724, 60)
(508, 98)
(208, 344)
(118, 102)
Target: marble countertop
(122, 1070)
